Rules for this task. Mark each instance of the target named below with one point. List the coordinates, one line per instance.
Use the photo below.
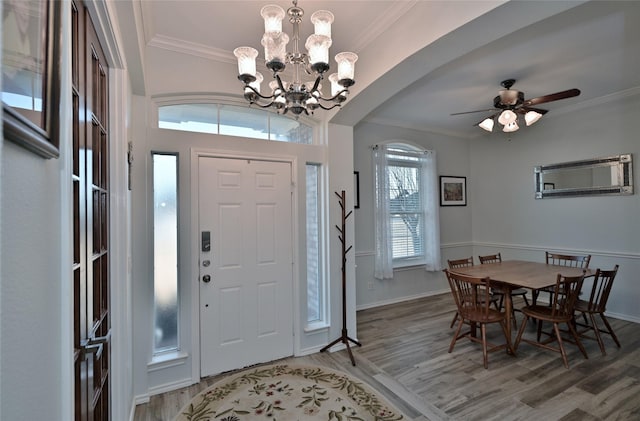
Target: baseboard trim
(401, 299)
(170, 387)
(140, 399)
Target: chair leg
(577, 339)
(453, 322)
(485, 357)
(594, 326)
(539, 330)
(613, 335)
(456, 334)
(556, 329)
(526, 302)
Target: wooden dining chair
(498, 291)
(454, 264)
(566, 260)
(563, 299)
(597, 304)
(465, 263)
(473, 300)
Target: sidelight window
(165, 252)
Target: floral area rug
(288, 393)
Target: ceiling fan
(509, 104)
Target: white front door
(246, 257)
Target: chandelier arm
(280, 84)
(336, 96)
(271, 97)
(260, 105)
(329, 108)
(316, 84)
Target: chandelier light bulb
(246, 60)
(487, 124)
(531, 117)
(272, 15)
(507, 117)
(346, 65)
(275, 48)
(318, 48)
(322, 20)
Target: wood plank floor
(404, 356)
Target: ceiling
(592, 46)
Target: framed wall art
(31, 74)
(453, 191)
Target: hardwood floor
(404, 356)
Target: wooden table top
(521, 273)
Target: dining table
(512, 274)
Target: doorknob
(206, 279)
(94, 345)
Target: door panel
(246, 309)
(91, 276)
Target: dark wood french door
(91, 277)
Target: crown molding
(192, 48)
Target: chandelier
(296, 95)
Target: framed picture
(356, 188)
(453, 191)
(31, 74)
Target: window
(165, 252)
(315, 285)
(232, 120)
(406, 211)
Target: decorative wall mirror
(598, 176)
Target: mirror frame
(622, 163)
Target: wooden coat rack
(344, 338)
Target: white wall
(31, 289)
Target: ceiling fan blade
(551, 97)
(476, 111)
(524, 110)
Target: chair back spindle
(602, 283)
(568, 260)
(491, 258)
(565, 294)
(460, 263)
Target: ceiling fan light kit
(296, 96)
(510, 106)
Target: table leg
(508, 308)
